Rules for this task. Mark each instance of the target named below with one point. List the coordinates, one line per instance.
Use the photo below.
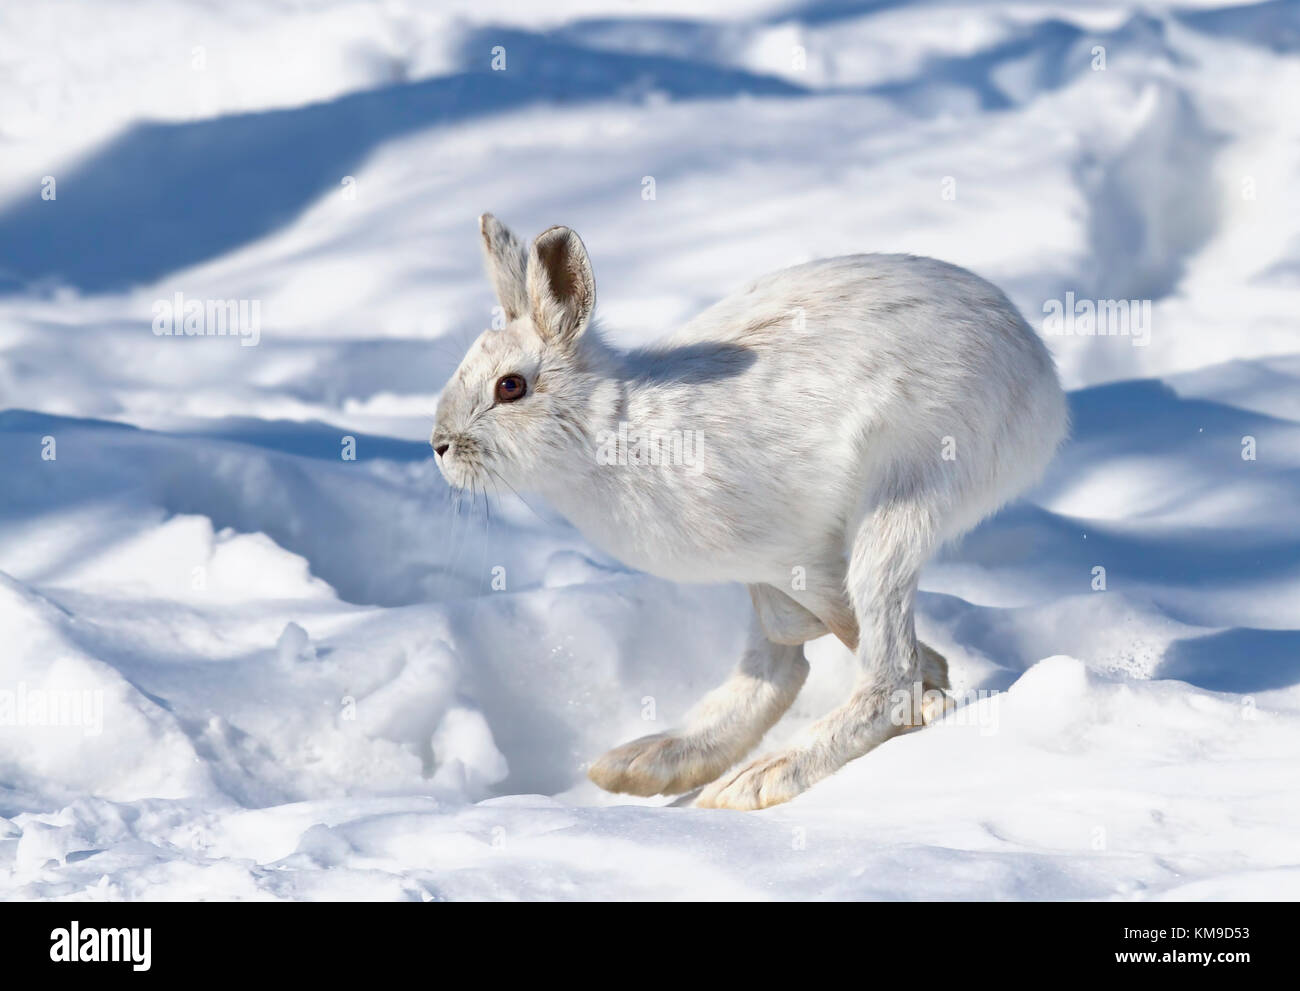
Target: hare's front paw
(660, 764)
(761, 783)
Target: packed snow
(252, 647)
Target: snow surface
(280, 674)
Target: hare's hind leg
(729, 721)
(890, 546)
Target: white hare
(842, 418)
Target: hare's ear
(507, 265)
(560, 285)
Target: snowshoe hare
(816, 436)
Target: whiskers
(471, 509)
(466, 517)
(495, 476)
(471, 512)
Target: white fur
(821, 401)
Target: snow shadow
(160, 197)
(164, 196)
(1237, 660)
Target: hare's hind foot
(725, 725)
(936, 702)
(662, 764)
(934, 668)
(767, 781)
(776, 778)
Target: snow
(236, 664)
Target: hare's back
(869, 343)
(856, 295)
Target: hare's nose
(441, 449)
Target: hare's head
(516, 408)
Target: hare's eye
(510, 388)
